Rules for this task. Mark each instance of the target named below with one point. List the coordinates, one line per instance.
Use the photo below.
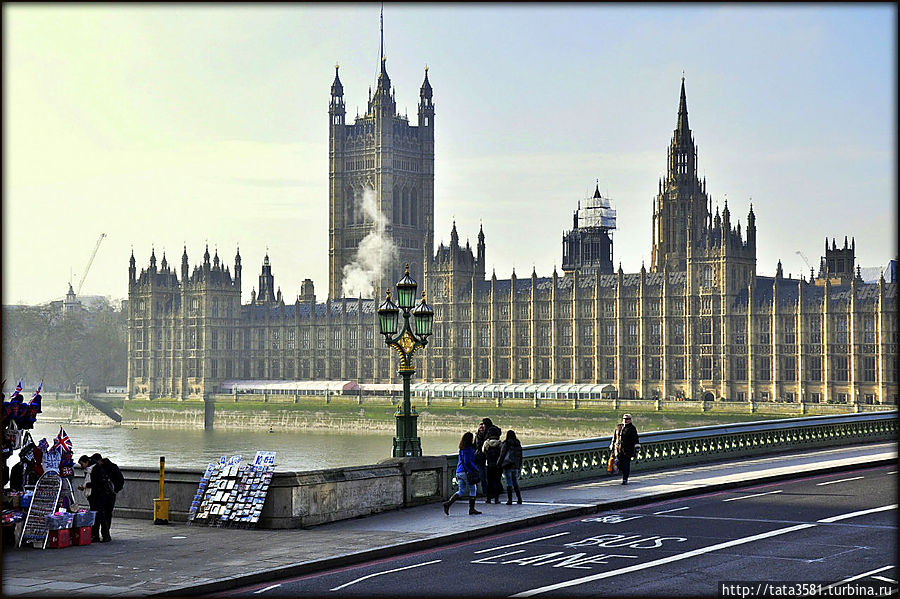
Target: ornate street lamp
(406, 341)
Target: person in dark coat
(510, 462)
(628, 447)
(491, 451)
(103, 493)
(478, 443)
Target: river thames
(190, 448)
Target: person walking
(615, 447)
(510, 461)
(480, 438)
(466, 471)
(629, 445)
(493, 471)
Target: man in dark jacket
(480, 438)
(106, 481)
(493, 471)
(630, 442)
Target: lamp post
(406, 340)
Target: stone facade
(699, 324)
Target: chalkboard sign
(43, 503)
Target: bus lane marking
(704, 550)
(857, 577)
(268, 588)
(754, 495)
(843, 480)
(521, 543)
(347, 584)
(677, 509)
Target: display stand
(43, 503)
(231, 494)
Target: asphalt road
(826, 529)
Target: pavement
(177, 559)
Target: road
(833, 528)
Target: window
(247, 346)
(655, 335)
(814, 368)
(215, 308)
(789, 366)
(705, 332)
(564, 369)
(790, 336)
(763, 369)
(587, 369)
(764, 332)
(352, 338)
(274, 339)
(610, 338)
(336, 335)
(840, 371)
(274, 370)
(632, 333)
(869, 370)
(840, 329)
(291, 341)
(587, 335)
(739, 368)
(740, 335)
(677, 368)
(214, 369)
(706, 368)
(262, 339)
(214, 341)
(869, 330)
(304, 338)
(678, 333)
(609, 309)
(708, 279)
(370, 335)
(320, 341)
(655, 372)
(229, 340)
(464, 339)
(544, 339)
(565, 331)
(815, 330)
(522, 370)
(522, 335)
(503, 336)
(632, 368)
(610, 369)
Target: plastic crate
(84, 519)
(81, 535)
(58, 539)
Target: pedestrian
(629, 446)
(93, 499)
(510, 461)
(466, 471)
(615, 447)
(493, 471)
(106, 481)
(480, 438)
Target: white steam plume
(375, 254)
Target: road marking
(521, 543)
(677, 509)
(855, 514)
(385, 572)
(857, 577)
(754, 495)
(885, 579)
(843, 480)
(274, 586)
(701, 551)
(559, 504)
(894, 472)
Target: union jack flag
(62, 440)
(37, 391)
(17, 392)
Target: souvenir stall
(39, 506)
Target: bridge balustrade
(551, 463)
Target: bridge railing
(550, 463)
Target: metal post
(407, 442)
(161, 505)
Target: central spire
(683, 127)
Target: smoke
(374, 256)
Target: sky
(173, 125)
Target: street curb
(300, 569)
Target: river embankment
(562, 420)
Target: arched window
(396, 217)
(414, 207)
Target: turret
(132, 269)
(153, 260)
(426, 107)
(237, 268)
(337, 110)
(480, 257)
(184, 266)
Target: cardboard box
(58, 539)
(81, 535)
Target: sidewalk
(147, 559)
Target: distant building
(700, 323)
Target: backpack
(114, 475)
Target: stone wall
(301, 499)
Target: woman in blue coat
(466, 474)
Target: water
(189, 448)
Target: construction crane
(90, 261)
(802, 255)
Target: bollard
(161, 505)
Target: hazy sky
(166, 125)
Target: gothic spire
(683, 128)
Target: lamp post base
(407, 443)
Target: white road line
(894, 472)
(385, 572)
(701, 551)
(754, 495)
(843, 480)
(855, 514)
(885, 579)
(559, 504)
(857, 577)
(522, 543)
(677, 509)
(274, 586)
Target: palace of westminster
(699, 324)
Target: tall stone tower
(380, 157)
(680, 210)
